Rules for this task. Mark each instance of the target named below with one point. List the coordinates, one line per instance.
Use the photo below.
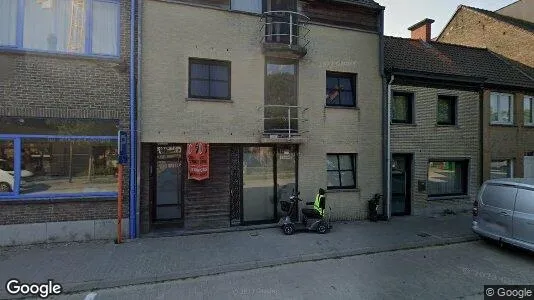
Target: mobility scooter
(311, 221)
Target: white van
(504, 211)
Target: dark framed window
(341, 89)
(209, 79)
(446, 114)
(502, 169)
(402, 108)
(447, 178)
(341, 169)
(528, 110)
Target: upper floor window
(340, 89)
(89, 27)
(446, 110)
(402, 108)
(253, 6)
(502, 108)
(209, 79)
(528, 110)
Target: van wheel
(5, 187)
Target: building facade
(287, 94)
(521, 9)
(64, 94)
(452, 122)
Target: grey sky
(401, 14)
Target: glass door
(400, 185)
(168, 183)
(286, 175)
(258, 184)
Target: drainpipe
(133, 129)
(138, 161)
(388, 149)
(385, 121)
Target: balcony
(284, 34)
(283, 123)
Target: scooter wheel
(322, 228)
(288, 229)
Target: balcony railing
(283, 121)
(285, 30)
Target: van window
(499, 196)
(525, 201)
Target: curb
(74, 288)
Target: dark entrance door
(167, 184)
(401, 178)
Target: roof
(368, 3)
(409, 55)
(523, 182)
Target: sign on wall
(198, 161)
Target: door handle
(530, 223)
(503, 213)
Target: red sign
(198, 161)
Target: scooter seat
(310, 213)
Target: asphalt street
(457, 271)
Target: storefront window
(447, 178)
(57, 157)
(64, 166)
(7, 180)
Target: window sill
(210, 100)
(342, 107)
(10, 50)
(448, 126)
(403, 124)
(355, 190)
(54, 199)
(456, 197)
(529, 125)
(503, 125)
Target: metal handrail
(294, 19)
(287, 118)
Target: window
(280, 109)
(209, 79)
(446, 110)
(501, 169)
(528, 110)
(253, 6)
(524, 203)
(340, 89)
(402, 108)
(501, 108)
(447, 178)
(499, 196)
(57, 158)
(341, 169)
(89, 27)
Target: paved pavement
(457, 271)
(98, 265)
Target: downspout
(388, 149)
(385, 121)
(133, 129)
(481, 135)
(139, 150)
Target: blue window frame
(84, 180)
(82, 27)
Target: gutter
(133, 128)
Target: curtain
(254, 6)
(8, 22)
(105, 28)
(47, 26)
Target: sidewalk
(101, 264)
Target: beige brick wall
(426, 140)
(471, 28)
(173, 32)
